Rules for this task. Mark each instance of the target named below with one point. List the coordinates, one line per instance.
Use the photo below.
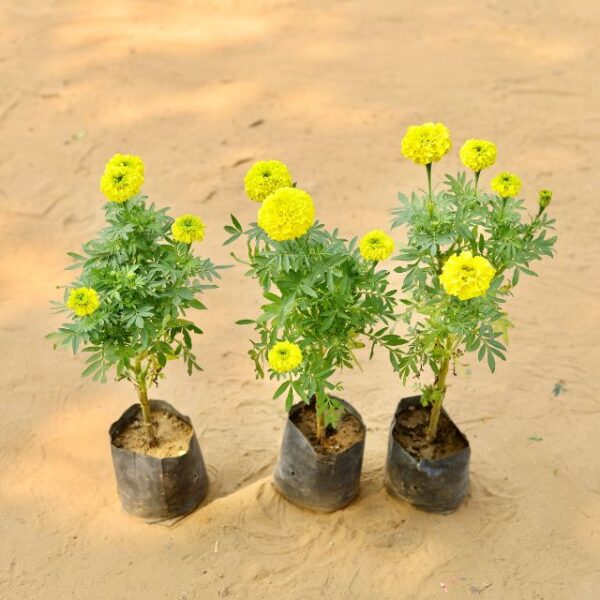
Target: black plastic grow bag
(321, 482)
(158, 488)
(438, 485)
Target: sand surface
(200, 89)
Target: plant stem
(320, 426)
(147, 417)
(320, 394)
(477, 173)
(428, 167)
(436, 409)
(504, 200)
(429, 197)
(453, 245)
(145, 403)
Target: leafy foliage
(146, 282)
(321, 295)
(440, 326)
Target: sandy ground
(200, 89)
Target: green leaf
(481, 353)
(272, 297)
(92, 368)
(284, 386)
(289, 401)
(308, 290)
(236, 223)
(231, 239)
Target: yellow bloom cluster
(467, 276)
(188, 229)
(266, 177)
(123, 177)
(478, 154)
(376, 245)
(427, 143)
(284, 357)
(83, 301)
(286, 214)
(506, 184)
(129, 161)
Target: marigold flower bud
(545, 199)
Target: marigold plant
(465, 253)
(138, 279)
(324, 301)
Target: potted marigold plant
(325, 299)
(465, 253)
(127, 313)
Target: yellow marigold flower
(545, 199)
(478, 154)
(284, 357)
(427, 143)
(266, 177)
(119, 184)
(188, 229)
(286, 214)
(376, 245)
(506, 184)
(129, 161)
(466, 276)
(83, 301)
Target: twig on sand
(476, 591)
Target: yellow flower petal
(506, 184)
(188, 229)
(83, 301)
(478, 154)
(427, 143)
(286, 214)
(266, 177)
(284, 357)
(466, 276)
(376, 245)
(119, 184)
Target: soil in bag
(410, 432)
(349, 430)
(172, 436)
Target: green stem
(145, 403)
(429, 196)
(504, 200)
(355, 360)
(477, 173)
(449, 251)
(428, 167)
(436, 409)
(320, 426)
(319, 415)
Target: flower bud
(545, 198)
